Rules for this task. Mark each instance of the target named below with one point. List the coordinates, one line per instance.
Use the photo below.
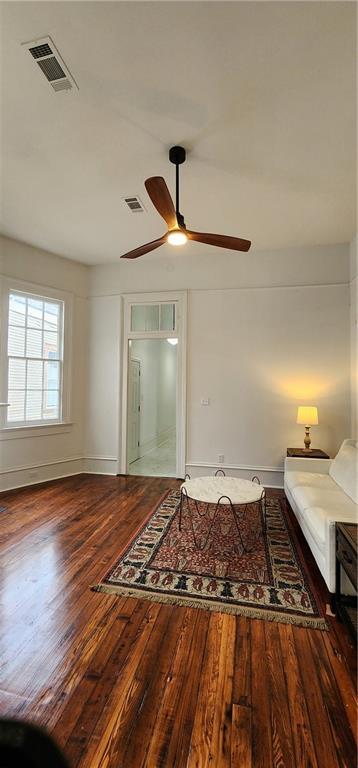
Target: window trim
(44, 292)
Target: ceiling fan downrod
(177, 156)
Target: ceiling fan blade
(161, 199)
(221, 241)
(145, 248)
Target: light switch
(205, 401)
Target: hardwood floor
(122, 683)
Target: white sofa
(322, 492)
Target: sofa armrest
(295, 464)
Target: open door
(152, 411)
(133, 410)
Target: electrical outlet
(221, 458)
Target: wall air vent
(134, 204)
(48, 59)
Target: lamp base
(307, 439)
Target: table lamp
(307, 415)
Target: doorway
(152, 399)
(153, 414)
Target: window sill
(38, 430)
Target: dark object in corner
(346, 559)
(23, 745)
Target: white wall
(203, 267)
(25, 459)
(258, 354)
(266, 331)
(103, 385)
(354, 335)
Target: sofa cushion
(313, 479)
(317, 520)
(332, 499)
(344, 468)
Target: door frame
(180, 332)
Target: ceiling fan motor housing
(177, 155)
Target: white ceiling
(261, 93)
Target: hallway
(159, 462)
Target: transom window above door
(153, 317)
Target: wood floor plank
(260, 695)
(283, 752)
(320, 725)
(101, 748)
(123, 683)
(164, 747)
(178, 746)
(142, 680)
(343, 738)
(241, 694)
(89, 689)
(135, 750)
(201, 740)
(241, 736)
(302, 735)
(99, 684)
(220, 747)
(344, 681)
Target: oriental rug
(265, 579)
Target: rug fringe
(251, 613)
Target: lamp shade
(307, 414)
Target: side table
(204, 493)
(303, 453)
(346, 558)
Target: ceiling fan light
(177, 237)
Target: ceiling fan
(177, 233)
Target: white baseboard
(271, 477)
(100, 465)
(31, 474)
(18, 477)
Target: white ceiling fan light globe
(177, 237)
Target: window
(153, 317)
(35, 359)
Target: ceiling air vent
(48, 59)
(134, 204)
